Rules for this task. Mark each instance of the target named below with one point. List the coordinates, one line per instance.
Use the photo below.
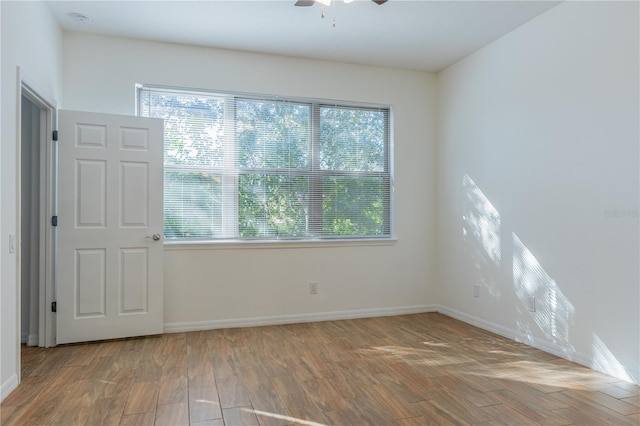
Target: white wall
(212, 286)
(538, 185)
(32, 40)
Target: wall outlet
(531, 304)
(476, 290)
(313, 288)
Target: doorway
(30, 191)
(36, 204)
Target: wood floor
(424, 369)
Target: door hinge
(54, 306)
(54, 220)
(54, 136)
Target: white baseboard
(586, 360)
(33, 340)
(178, 327)
(7, 387)
(29, 339)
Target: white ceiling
(408, 34)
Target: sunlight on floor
(282, 417)
(543, 374)
(414, 356)
(509, 367)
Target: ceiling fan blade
(306, 3)
(379, 2)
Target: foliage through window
(252, 167)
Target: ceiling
(407, 34)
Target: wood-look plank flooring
(424, 369)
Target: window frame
(314, 172)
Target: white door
(110, 249)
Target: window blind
(241, 166)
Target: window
(254, 167)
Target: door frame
(48, 207)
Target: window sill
(274, 244)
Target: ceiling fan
(306, 3)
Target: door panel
(90, 283)
(110, 204)
(91, 199)
(133, 279)
(134, 182)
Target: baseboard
(586, 360)
(29, 339)
(9, 386)
(33, 340)
(179, 327)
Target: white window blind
(240, 166)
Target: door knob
(155, 237)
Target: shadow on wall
(542, 307)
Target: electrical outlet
(313, 288)
(476, 290)
(531, 304)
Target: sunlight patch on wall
(481, 234)
(541, 297)
(605, 361)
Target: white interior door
(110, 184)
